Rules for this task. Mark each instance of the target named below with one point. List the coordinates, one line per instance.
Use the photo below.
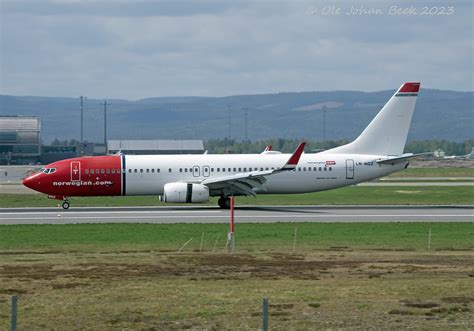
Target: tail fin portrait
(387, 133)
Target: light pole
(105, 123)
(83, 98)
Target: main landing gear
(224, 202)
(65, 204)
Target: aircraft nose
(32, 182)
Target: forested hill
(439, 115)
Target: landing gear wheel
(65, 204)
(224, 202)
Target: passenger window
(309, 168)
(129, 171)
(320, 169)
(180, 169)
(102, 171)
(325, 169)
(299, 168)
(240, 169)
(86, 171)
(245, 169)
(212, 169)
(266, 168)
(223, 169)
(135, 170)
(113, 171)
(235, 169)
(141, 171)
(185, 169)
(158, 170)
(229, 169)
(92, 171)
(147, 171)
(169, 170)
(261, 169)
(108, 171)
(330, 168)
(314, 169)
(153, 170)
(304, 168)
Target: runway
(243, 214)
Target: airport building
(147, 147)
(20, 141)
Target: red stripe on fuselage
(85, 176)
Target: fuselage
(376, 152)
(117, 175)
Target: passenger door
(75, 171)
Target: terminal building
(20, 141)
(148, 147)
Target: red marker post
(230, 235)
(232, 228)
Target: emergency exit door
(349, 169)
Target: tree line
(218, 146)
(288, 145)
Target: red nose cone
(31, 182)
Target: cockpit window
(48, 170)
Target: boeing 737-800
(378, 151)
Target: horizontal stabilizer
(401, 158)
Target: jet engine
(184, 192)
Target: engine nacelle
(184, 192)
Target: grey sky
(138, 49)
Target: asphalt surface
(9, 188)
(243, 214)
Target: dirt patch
(420, 304)
(12, 291)
(57, 286)
(400, 312)
(314, 304)
(457, 299)
(282, 306)
(29, 252)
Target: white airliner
(378, 151)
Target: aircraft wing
(401, 158)
(245, 183)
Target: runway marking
(114, 212)
(245, 216)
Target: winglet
(268, 148)
(293, 161)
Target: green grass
(129, 276)
(353, 195)
(249, 237)
(434, 172)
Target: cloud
(125, 49)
